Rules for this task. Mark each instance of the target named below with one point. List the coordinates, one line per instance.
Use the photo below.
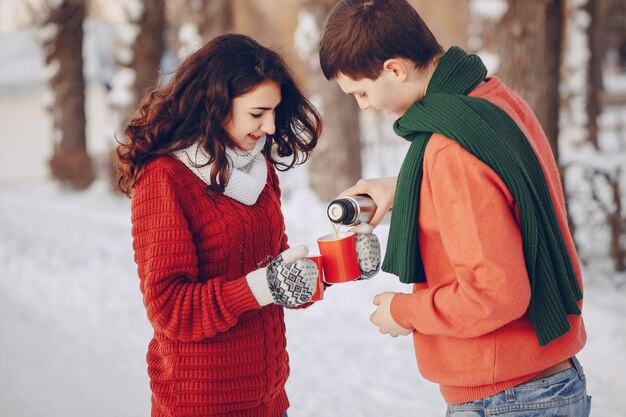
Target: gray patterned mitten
(289, 280)
(367, 251)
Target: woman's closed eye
(256, 115)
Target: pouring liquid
(336, 228)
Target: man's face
(381, 93)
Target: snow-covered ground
(73, 330)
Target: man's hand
(382, 191)
(382, 316)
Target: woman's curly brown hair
(197, 103)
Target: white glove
(367, 250)
(289, 280)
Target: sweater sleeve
(476, 221)
(177, 303)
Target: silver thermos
(351, 210)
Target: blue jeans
(562, 394)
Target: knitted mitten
(289, 280)
(367, 250)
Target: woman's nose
(269, 124)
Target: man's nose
(363, 103)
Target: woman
(208, 233)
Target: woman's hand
(382, 191)
(290, 279)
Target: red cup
(340, 260)
(319, 292)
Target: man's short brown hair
(360, 35)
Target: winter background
(73, 330)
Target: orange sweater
(472, 333)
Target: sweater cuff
(257, 281)
(399, 310)
(241, 296)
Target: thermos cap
(343, 210)
(340, 210)
(335, 211)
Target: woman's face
(253, 114)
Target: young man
(479, 223)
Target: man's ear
(397, 68)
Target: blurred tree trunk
(140, 45)
(614, 33)
(216, 18)
(198, 21)
(149, 47)
(336, 161)
(62, 38)
(594, 73)
(529, 45)
(610, 204)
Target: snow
(121, 87)
(489, 9)
(75, 331)
(52, 69)
(306, 37)
(73, 328)
(482, 11)
(135, 9)
(573, 89)
(47, 32)
(189, 38)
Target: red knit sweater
(215, 352)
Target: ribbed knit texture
(215, 352)
(247, 170)
(471, 328)
(490, 134)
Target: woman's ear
(397, 68)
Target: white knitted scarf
(248, 170)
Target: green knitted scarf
(487, 132)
